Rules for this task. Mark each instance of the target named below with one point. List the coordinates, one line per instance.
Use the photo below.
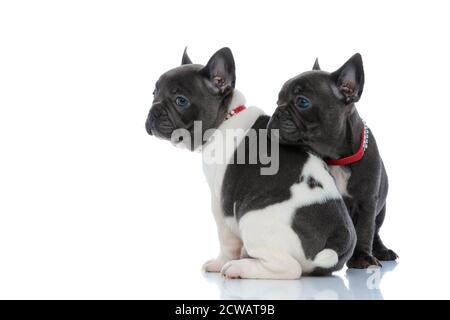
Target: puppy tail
(326, 258)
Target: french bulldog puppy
(280, 225)
(316, 110)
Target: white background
(92, 207)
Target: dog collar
(235, 111)
(356, 156)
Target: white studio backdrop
(92, 207)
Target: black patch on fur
(313, 183)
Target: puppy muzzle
(289, 131)
(159, 122)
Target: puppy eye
(182, 102)
(302, 102)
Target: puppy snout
(158, 122)
(283, 120)
(152, 117)
(274, 122)
(273, 127)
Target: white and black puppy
(273, 224)
(316, 110)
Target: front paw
(232, 270)
(214, 265)
(362, 261)
(385, 255)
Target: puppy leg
(379, 249)
(364, 220)
(230, 243)
(272, 248)
(230, 249)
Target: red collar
(235, 111)
(356, 156)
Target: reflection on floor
(351, 284)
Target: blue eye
(302, 103)
(182, 102)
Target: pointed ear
(185, 59)
(316, 65)
(220, 71)
(349, 79)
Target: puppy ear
(349, 79)
(185, 59)
(220, 71)
(316, 65)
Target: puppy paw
(232, 270)
(214, 265)
(363, 261)
(385, 255)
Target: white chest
(218, 151)
(341, 176)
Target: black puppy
(317, 110)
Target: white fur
(237, 100)
(341, 176)
(265, 235)
(228, 231)
(230, 241)
(326, 258)
(244, 120)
